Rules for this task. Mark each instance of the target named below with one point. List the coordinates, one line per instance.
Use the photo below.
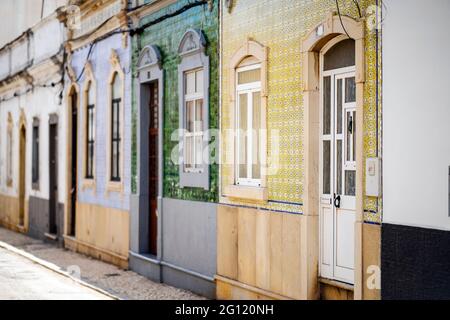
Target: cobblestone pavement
(120, 283)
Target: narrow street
(22, 279)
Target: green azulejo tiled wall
(166, 35)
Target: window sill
(252, 194)
(114, 186)
(35, 186)
(88, 184)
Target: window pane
(199, 115)
(242, 136)
(114, 160)
(188, 161)
(91, 98)
(199, 81)
(339, 107)
(115, 120)
(326, 105)
(90, 160)
(326, 167)
(190, 82)
(198, 151)
(249, 76)
(117, 90)
(35, 168)
(190, 116)
(256, 167)
(339, 167)
(350, 90)
(9, 151)
(350, 178)
(354, 135)
(349, 125)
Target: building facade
(415, 254)
(32, 122)
(240, 149)
(98, 145)
(300, 118)
(175, 112)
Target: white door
(337, 174)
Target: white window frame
(249, 89)
(193, 98)
(192, 51)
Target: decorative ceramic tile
(281, 25)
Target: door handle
(337, 201)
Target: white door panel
(345, 239)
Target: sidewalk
(122, 284)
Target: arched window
(90, 132)
(248, 124)
(193, 77)
(9, 151)
(116, 138)
(35, 155)
(115, 126)
(248, 106)
(89, 127)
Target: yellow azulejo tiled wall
(281, 25)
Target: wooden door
(153, 165)
(53, 178)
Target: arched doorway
(337, 164)
(325, 38)
(72, 160)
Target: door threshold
(21, 228)
(338, 284)
(51, 236)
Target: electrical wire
(340, 19)
(359, 8)
(134, 31)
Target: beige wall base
(262, 249)
(330, 292)
(9, 214)
(371, 252)
(102, 233)
(228, 289)
(98, 253)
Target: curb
(54, 268)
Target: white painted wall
(40, 103)
(16, 16)
(416, 113)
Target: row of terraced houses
(240, 149)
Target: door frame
(149, 69)
(53, 121)
(148, 86)
(73, 90)
(319, 40)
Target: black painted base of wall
(415, 263)
(39, 220)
